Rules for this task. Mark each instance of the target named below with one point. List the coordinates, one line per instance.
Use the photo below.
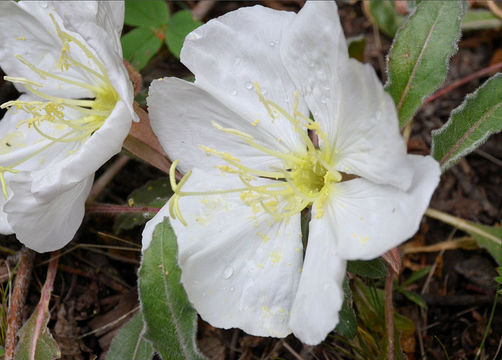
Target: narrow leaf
(130, 343)
(414, 297)
(477, 19)
(417, 275)
(374, 269)
(470, 124)
(418, 61)
(170, 320)
(490, 238)
(386, 17)
(178, 27)
(146, 13)
(139, 46)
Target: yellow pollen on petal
(304, 179)
(48, 116)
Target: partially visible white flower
(241, 134)
(74, 113)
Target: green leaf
(470, 124)
(489, 238)
(357, 45)
(347, 321)
(414, 297)
(139, 45)
(373, 269)
(154, 194)
(130, 342)
(418, 61)
(46, 348)
(178, 27)
(477, 19)
(385, 15)
(146, 13)
(171, 323)
(417, 275)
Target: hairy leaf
(146, 13)
(470, 124)
(418, 61)
(130, 342)
(170, 320)
(46, 348)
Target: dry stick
(45, 298)
(119, 209)
(17, 301)
(107, 176)
(389, 316)
(460, 82)
(202, 9)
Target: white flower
(73, 115)
(258, 74)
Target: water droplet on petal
(234, 92)
(228, 272)
(232, 289)
(272, 43)
(325, 287)
(43, 4)
(324, 100)
(249, 85)
(263, 91)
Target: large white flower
(73, 115)
(241, 134)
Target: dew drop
(272, 43)
(325, 287)
(228, 272)
(263, 91)
(324, 100)
(249, 85)
(234, 92)
(232, 289)
(43, 4)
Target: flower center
(304, 179)
(87, 115)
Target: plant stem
(488, 326)
(389, 313)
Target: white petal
(27, 30)
(84, 16)
(226, 61)
(45, 225)
(181, 115)
(79, 165)
(320, 293)
(369, 219)
(238, 271)
(345, 97)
